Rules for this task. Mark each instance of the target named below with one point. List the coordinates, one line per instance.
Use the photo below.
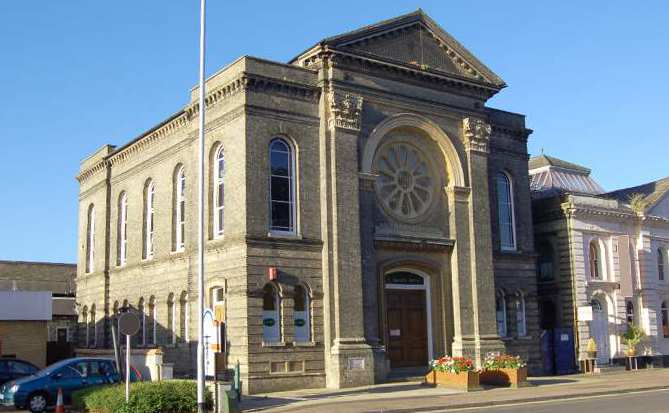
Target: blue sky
(590, 76)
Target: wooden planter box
(466, 380)
(505, 377)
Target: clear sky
(591, 76)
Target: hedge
(170, 396)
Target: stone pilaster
(349, 360)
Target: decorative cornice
(477, 134)
(571, 211)
(93, 170)
(517, 134)
(345, 110)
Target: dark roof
(59, 278)
(651, 192)
(545, 160)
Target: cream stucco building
(366, 211)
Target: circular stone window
(404, 186)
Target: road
(644, 402)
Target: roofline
(66, 264)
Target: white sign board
(210, 341)
(584, 313)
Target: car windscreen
(53, 367)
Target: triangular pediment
(415, 40)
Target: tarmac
(412, 396)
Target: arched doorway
(599, 329)
(408, 318)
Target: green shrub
(171, 396)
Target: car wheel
(37, 403)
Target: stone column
(349, 360)
(473, 277)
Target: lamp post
(200, 230)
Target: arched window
(665, 320)
(149, 225)
(282, 186)
(660, 264)
(271, 322)
(507, 230)
(521, 321)
(171, 309)
(596, 306)
(151, 323)
(500, 312)
(93, 328)
(629, 311)
(180, 209)
(594, 259)
(141, 334)
(122, 248)
(115, 316)
(90, 239)
(219, 192)
(84, 324)
(545, 263)
(183, 317)
(301, 315)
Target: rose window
(404, 186)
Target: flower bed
(453, 372)
(504, 370)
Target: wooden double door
(406, 334)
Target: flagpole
(200, 230)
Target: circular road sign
(128, 324)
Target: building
(38, 313)
(365, 212)
(604, 250)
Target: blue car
(40, 390)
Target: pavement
(406, 397)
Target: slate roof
(652, 192)
(551, 176)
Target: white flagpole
(200, 230)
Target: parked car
(12, 369)
(39, 391)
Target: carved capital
(346, 110)
(477, 134)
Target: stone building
(605, 250)
(365, 212)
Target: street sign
(128, 323)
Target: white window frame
(149, 228)
(123, 230)
(521, 315)
(219, 182)
(171, 307)
(504, 330)
(661, 264)
(276, 314)
(292, 202)
(180, 206)
(307, 316)
(90, 239)
(514, 245)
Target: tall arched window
(93, 328)
(122, 229)
(84, 324)
(179, 209)
(500, 313)
(595, 261)
(301, 315)
(183, 317)
(545, 263)
(171, 316)
(521, 320)
(660, 264)
(149, 224)
(507, 230)
(90, 239)
(271, 321)
(665, 320)
(282, 186)
(219, 191)
(629, 311)
(141, 334)
(151, 322)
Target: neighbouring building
(42, 332)
(604, 250)
(365, 211)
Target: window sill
(276, 344)
(284, 235)
(178, 252)
(305, 344)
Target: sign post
(128, 324)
